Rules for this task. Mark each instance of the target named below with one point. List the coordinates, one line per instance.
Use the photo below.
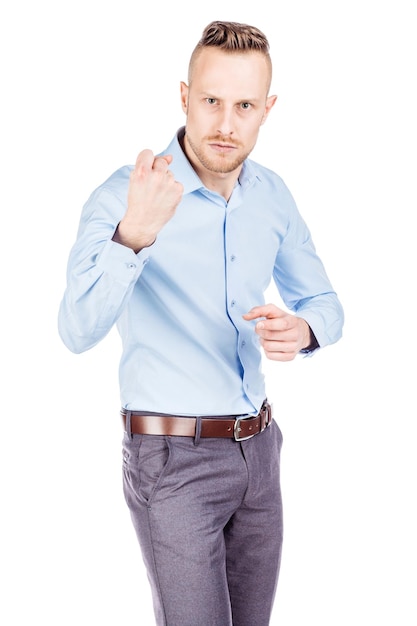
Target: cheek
(198, 124)
(250, 134)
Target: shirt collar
(180, 166)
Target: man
(177, 251)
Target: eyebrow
(245, 99)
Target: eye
(211, 100)
(245, 105)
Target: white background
(85, 86)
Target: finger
(255, 313)
(161, 163)
(266, 310)
(279, 350)
(279, 333)
(145, 159)
(280, 356)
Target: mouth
(222, 148)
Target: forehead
(214, 69)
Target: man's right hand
(153, 196)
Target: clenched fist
(153, 196)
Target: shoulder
(116, 185)
(118, 181)
(109, 200)
(269, 184)
(265, 175)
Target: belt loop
(129, 424)
(197, 431)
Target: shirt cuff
(121, 262)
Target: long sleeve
(304, 285)
(101, 274)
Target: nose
(225, 121)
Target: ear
(184, 97)
(270, 101)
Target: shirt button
(243, 344)
(232, 303)
(131, 266)
(233, 258)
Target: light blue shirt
(178, 304)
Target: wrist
(311, 341)
(122, 237)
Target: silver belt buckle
(265, 415)
(268, 415)
(237, 429)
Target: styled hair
(231, 37)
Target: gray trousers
(208, 516)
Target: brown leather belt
(236, 427)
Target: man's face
(226, 103)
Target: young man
(177, 251)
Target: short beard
(216, 165)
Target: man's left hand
(282, 335)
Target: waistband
(236, 427)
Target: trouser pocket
(146, 459)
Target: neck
(221, 183)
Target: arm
(316, 316)
(118, 224)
